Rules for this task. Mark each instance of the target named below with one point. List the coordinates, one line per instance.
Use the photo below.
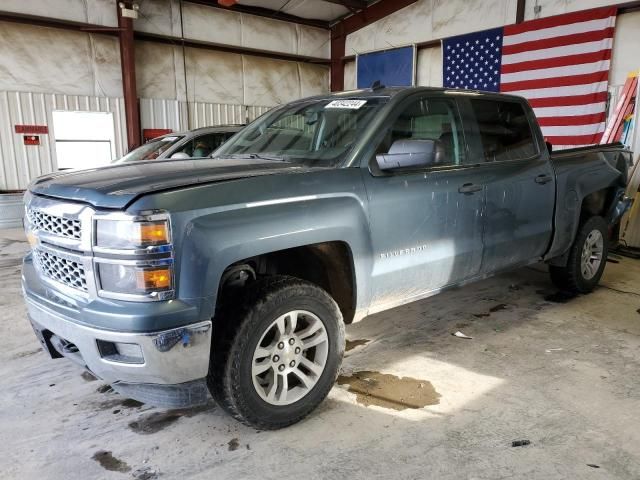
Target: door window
(429, 119)
(505, 132)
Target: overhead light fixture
(227, 3)
(129, 12)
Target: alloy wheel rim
(290, 357)
(592, 252)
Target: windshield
(314, 132)
(150, 150)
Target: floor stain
(27, 353)
(131, 403)
(109, 462)
(351, 344)
(390, 391)
(481, 315)
(234, 443)
(155, 422)
(560, 297)
(497, 308)
(87, 376)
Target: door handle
(542, 179)
(469, 188)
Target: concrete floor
(563, 375)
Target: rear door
(426, 223)
(519, 182)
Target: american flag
(560, 64)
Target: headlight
(135, 279)
(130, 234)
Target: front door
(519, 182)
(426, 224)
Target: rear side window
(505, 132)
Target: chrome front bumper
(170, 357)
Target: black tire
(237, 332)
(570, 278)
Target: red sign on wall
(149, 133)
(39, 129)
(31, 140)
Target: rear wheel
(276, 358)
(587, 259)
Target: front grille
(67, 272)
(61, 226)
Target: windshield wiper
(256, 156)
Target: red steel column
(128, 64)
(337, 52)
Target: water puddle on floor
(389, 391)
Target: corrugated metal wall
(161, 113)
(19, 163)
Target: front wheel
(587, 258)
(277, 357)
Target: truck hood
(117, 185)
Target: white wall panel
(350, 75)
(313, 42)
(270, 82)
(429, 68)
(19, 164)
(49, 60)
(266, 34)
(158, 16)
(214, 77)
(97, 12)
(556, 7)
(232, 28)
(212, 25)
(156, 70)
(626, 46)
(431, 19)
(314, 79)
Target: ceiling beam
(372, 14)
(353, 5)
(264, 12)
(219, 47)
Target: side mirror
(549, 146)
(409, 154)
(180, 156)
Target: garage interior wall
(45, 69)
(428, 20)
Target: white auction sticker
(352, 104)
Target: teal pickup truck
(235, 275)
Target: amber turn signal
(153, 280)
(154, 233)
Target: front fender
(214, 241)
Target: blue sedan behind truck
(235, 275)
